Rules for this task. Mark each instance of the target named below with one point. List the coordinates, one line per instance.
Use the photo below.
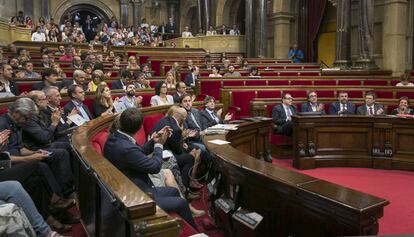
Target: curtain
(316, 9)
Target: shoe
(57, 226)
(64, 216)
(193, 196)
(197, 213)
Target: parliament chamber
(310, 102)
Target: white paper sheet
(219, 142)
(77, 119)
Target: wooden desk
(359, 141)
(291, 203)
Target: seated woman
(103, 103)
(170, 80)
(97, 79)
(215, 72)
(254, 72)
(405, 80)
(132, 63)
(87, 68)
(116, 64)
(161, 97)
(403, 107)
(211, 31)
(245, 64)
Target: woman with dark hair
(103, 103)
(87, 68)
(215, 71)
(403, 107)
(254, 72)
(161, 97)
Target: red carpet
(395, 186)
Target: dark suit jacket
(13, 88)
(40, 85)
(362, 110)
(60, 132)
(189, 79)
(206, 119)
(335, 108)
(175, 141)
(176, 98)
(131, 159)
(306, 107)
(70, 105)
(279, 116)
(190, 123)
(117, 85)
(15, 139)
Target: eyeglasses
(289, 98)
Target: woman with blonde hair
(97, 79)
(170, 80)
(132, 63)
(103, 103)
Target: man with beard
(343, 106)
(129, 99)
(6, 80)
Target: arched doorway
(234, 13)
(190, 20)
(78, 13)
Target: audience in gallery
(313, 105)
(131, 159)
(161, 97)
(403, 107)
(282, 115)
(405, 77)
(370, 107)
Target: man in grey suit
(281, 115)
(370, 107)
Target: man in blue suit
(281, 115)
(343, 106)
(123, 152)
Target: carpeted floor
(395, 186)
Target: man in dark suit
(180, 88)
(78, 79)
(191, 78)
(123, 152)
(370, 107)
(77, 96)
(281, 115)
(343, 106)
(49, 78)
(209, 117)
(125, 79)
(6, 79)
(313, 105)
(58, 160)
(171, 26)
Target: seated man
(20, 113)
(313, 105)
(209, 117)
(49, 78)
(77, 96)
(129, 99)
(180, 89)
(78, 79)
(370, 107)
(403, 107)
(123, 152)
(281, 115)
(126, 77)
(7, 81)
(190, 79)
(343, 106)
(231, 72)
(29, 73)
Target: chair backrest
(150, 121)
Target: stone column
(45, 9)
(136, 8)
(343, 34)
(207, 14)
(282, 16)
(365, 36)
(261, 28)
(394, 36)
(199, 16)
(28, 9)
(123, 6)
(249, 30)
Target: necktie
(288, 113)
(343, 107)
(214, 117)
(194, 120)
(371, 112)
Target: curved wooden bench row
(291, 203)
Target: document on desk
(219, 142)
(224, 127)
(77, 119)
